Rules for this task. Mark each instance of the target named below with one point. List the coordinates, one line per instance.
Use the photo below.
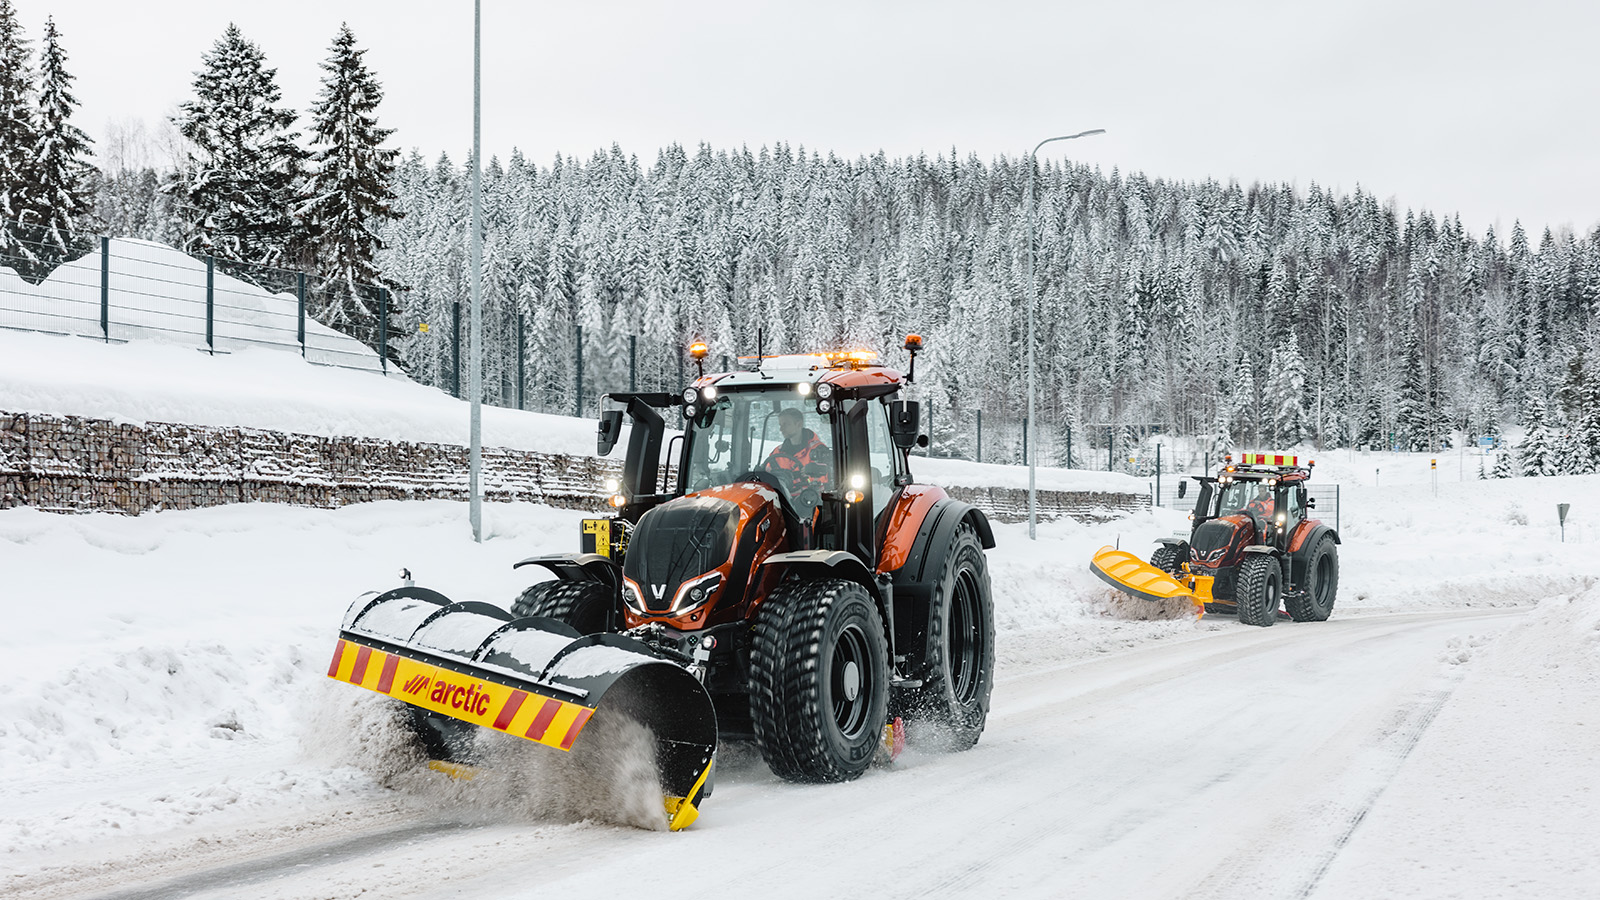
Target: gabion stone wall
(78, 464)
(75, 464)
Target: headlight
(690, 395)
(823, 406)
(825, 390)
(633, 596)
(710, 393)
(693, 593)
(803, 388)
(690, 411)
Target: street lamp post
(475, 353)
(1033, 444)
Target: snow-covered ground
(167, 729)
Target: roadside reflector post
(1561, 514)
(300, 313)
(383, 329)
(1433, 467)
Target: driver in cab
(800, 448)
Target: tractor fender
(1264, 548)
(826, 564)
(1300, 549)
(1174, 542)
(914, 582)
(579, 567)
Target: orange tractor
(776, 575)
(1252, 549)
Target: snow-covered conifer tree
(17, 138)
(1285, 394)
(245, 168)
(1502, 464)
(1536, 453)
(61, 193)
(350, 191)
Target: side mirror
(905, 418)
(1183, 489)
(609, 432)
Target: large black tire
(959, 673)
(1166, 559)
(585, 605)
(819, 680)
(1260, 589)
(1315, 603)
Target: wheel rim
(964, 644)
(850, 682)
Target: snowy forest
(1267, 315)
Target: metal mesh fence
(118, 290)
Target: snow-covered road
(1222, 762)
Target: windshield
(778, 431)
(1250, 497)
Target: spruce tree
(18, 138)
(350, 193)
(245, 168)
(1502, 464)
(1285, 394)
(1537, 454)
(61, 197)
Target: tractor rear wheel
(1166, 559)
(1260, 589)
(819, 680)
(585, 605)
(959, 673)
(1315, 603)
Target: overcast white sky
(1486, 108)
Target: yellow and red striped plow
(543, 720)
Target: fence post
(522, 371)
(300, 296)
(980, 435)
(577, 407)
(211, 302)
(1069, 446)
(1338, 507)
(1111, 448)
(1158, 474)
(105, 288)
(455, 348)
(633, 362)
(1024, 440)
(383, 329)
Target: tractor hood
(684, 554)
(1218, 542)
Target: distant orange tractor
(1252, 548)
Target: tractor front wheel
(1260, 589)
(819, 679)
(585, 605)
(1315, 603)
(1166, 559)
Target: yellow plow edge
(1132, 575)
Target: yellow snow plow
(529, 677)
(1132, 575)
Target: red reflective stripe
(360, 671)
(542, 720)
(577, 726)
(338, 657)
(386, 680)
(509, 711)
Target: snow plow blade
(1132, 575)
(532, 678)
